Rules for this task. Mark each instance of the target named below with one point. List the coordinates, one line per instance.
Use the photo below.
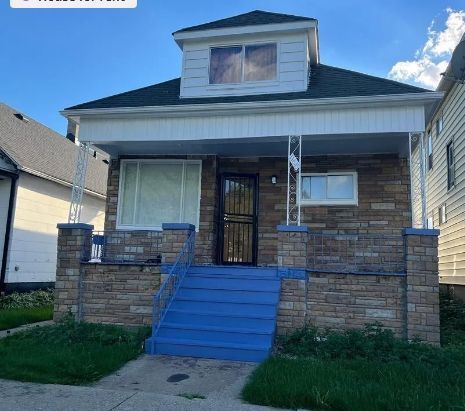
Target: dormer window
(237, 64)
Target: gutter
(9, 220)
(260, 106)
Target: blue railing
(165, 295)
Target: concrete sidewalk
(146, 384)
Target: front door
(237, 234)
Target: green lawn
(365, 370)
(14, 317)
(68, 352)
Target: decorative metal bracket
(417, 161)
(79, 183)
(294, 163)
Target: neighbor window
(439, 124)
(430, 151)
(450, 165)
(442, 214)
(329, 188)
(153, 192)
(236, 64)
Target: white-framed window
(442, 213)
(243, 63)
(334, 188)
(153, 192)
(430, 150)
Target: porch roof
(312, 145)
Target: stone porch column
(421, 260)
(74, 245)
(292, 269)
(173, 238)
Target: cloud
(432, 59)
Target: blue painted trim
(293, 228)
(75, 226)
(420, 231)
(178, 226)
(294, 273)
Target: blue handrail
(165, 295)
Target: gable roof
(325, 82)
(39, 150)
(253, 18)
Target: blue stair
(221, 312)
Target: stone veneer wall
(383, 187)
(407, 303)
(109, 292)
(118, 294)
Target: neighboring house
(445, 172)
(318, 225)
(36, 174)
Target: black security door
(237, 241)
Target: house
(445, 164)
(36, 173)
(274, 189)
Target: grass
(68, 352)
(14, 317)
(192, 396)
(368, 369)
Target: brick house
(258, 191)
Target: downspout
(9, 220)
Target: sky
(53, 59)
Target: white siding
(452, 237)
(40, 206)
(292, 67)
(5, 186)
(318, 122)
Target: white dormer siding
(292, 65)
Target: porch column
(292, 269)
(173, 239)
(74, 246)
(421, 259)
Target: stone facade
(109, 292)
(118, 294)
(383, 192)
(406, 303)
(422, 285)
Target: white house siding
(452, 237)
(40, 205)
(5, 185)
(317, 122)
(292, 66)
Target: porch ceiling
(266, 146)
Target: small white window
(226, 65)
(260, 62)
(338, 188)
(153, 192)
(442, 214)
(430, 223)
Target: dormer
(253, 53)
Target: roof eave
(182, 36)
(259, 106)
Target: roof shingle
(33, 146)
(325, 82)
(253, 18)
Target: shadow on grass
(14, 317)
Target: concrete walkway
(11, 331)
(146, 384)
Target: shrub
(39, 298)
